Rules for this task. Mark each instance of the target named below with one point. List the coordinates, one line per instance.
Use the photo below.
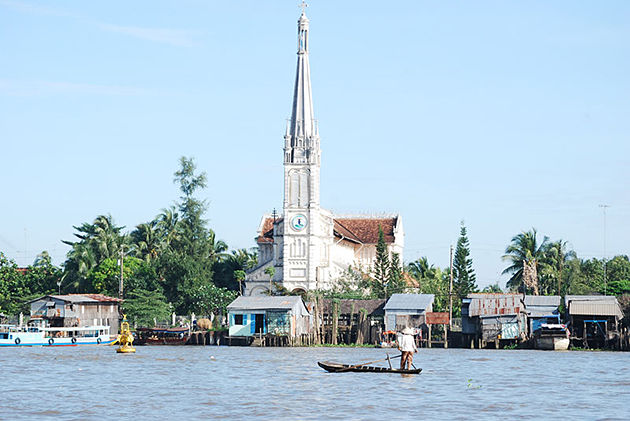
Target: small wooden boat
(162, 336)
(344, 368)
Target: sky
(506, 115)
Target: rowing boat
(343, 368)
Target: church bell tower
(302, 215)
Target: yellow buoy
(125, 339)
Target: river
(188, 382)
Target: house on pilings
(594, 321)
(497, 319)
(347, 321)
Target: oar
(370, 362)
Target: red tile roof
(365, 230)
(267, 232)
(357, 230)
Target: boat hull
(345, 368)
(552, 343)
(55, 343)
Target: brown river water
(187, 382)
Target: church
(308, 246)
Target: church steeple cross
(303, 6)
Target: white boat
(553, 337)
(37, 334)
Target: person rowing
(407, 346)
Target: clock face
(299, 222)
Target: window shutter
(252, 327)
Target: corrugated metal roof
(542, 305)
(595, 308)
(542, 300)
(409, 301)
(569, 298)
(265, 303)
(491, 304)
(541, 311)
(82, 298)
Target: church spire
(301, 140)
(301, 145)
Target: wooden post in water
(445, 336)
(335, 322)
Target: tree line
(173, 263)
(176, 263)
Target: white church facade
(308, 246)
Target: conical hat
(407, 331)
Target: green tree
(210, 299)
(193, 234)
(492, 289)
(395, 280)
(464, 279)
(431, 280)
(381, 266)
(555, 258)
(98, 241)
(239, 275)
(524, 255)
(271, 272)
(143, 307)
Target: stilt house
(541, 309)
(594, 320)
(496, 318)
(279, 316)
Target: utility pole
(605, 280)
(450, 293)
(120, 284)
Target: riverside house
(283, 316)
(541, 309)
(496, 318)
(77, 310)
(594, 320)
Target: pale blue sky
(509, 115)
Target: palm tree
(146, 241)
(166, 226)
(218, 248)
(552, 267)
(525, 254)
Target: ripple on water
(283, 383)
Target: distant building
(496, 318)
(310, 247)
(275, 315)
(78, 310)
(407, 310)
(593, 320)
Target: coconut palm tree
(146, 241)
(218, 248)
(166, 225)
(524, 255)
(556, 257)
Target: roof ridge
(356, 237)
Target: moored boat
(344, 368)
(37, 334)
(162, 336)
(554, 337)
